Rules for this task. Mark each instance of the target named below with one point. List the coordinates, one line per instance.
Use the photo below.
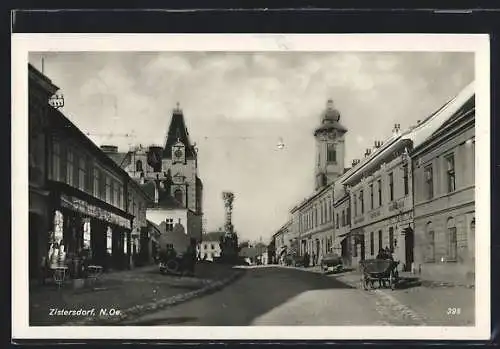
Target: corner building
(444, 200)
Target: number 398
(454, 311)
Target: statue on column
(229, 242)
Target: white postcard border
(24, 43)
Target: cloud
(238, 105)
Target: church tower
(180, 161)
(330, 147)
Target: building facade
(88, 198)
(169, 174)
(381, 200)
(444, 200)
(40, 89)
(314, 216)
(209, 250)
(342, 241)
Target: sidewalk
(433, 303)
(121, 294)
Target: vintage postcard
(251, 186)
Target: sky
(239, 106)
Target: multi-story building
(40, 89)
(314, 216)
(89, 201)
(381, 190)
(444, 195)
(209, 250)
(169, 174)
(342, 242)
(380, 196)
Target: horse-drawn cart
(383, 271)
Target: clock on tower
(178, 152)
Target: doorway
(409, 246)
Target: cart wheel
(364, 283)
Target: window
(56, 161)
(429, 182)
(343, 218)
(138, 166)
(405, 179)
(371, 196)
(115, 193)
(315, 217)
(452, 240)
(102, 183)
(391, 238)
(108, 189)
(320, 207)
(96, 183)
(380, 242)
(337, 223)
(330, 210)
(69, 168)
(82, 174)
(431, 243)
(379, 192)
(391, 186)
(109, 240)
(372, 244)
(212, 246)
(120, 197)
(178, 195)
(86, 233)
(170, 225)
(348, 215)
(362, 201)
(355, 205)
(331, 153)
(450, 173)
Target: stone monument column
(229, 243)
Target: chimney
(368, 152)
(395, 130)
(378, 144)
(418, 122)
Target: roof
(42, 80)
(121, 159)
(178, 131)
(416, 135)
(329, 126)
(420, 133)
(61, 122)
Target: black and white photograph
(251, 186)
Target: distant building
(444, 199)
(209, 250)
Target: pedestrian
(381, 254)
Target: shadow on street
(259, 291)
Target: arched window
(431, 243)
(451, 240)
(178, 195)
(138, 166)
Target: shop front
(91, 231)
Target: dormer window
(178, 152)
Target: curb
(139, 310)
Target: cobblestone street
(291, 296)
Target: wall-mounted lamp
(56, 101)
